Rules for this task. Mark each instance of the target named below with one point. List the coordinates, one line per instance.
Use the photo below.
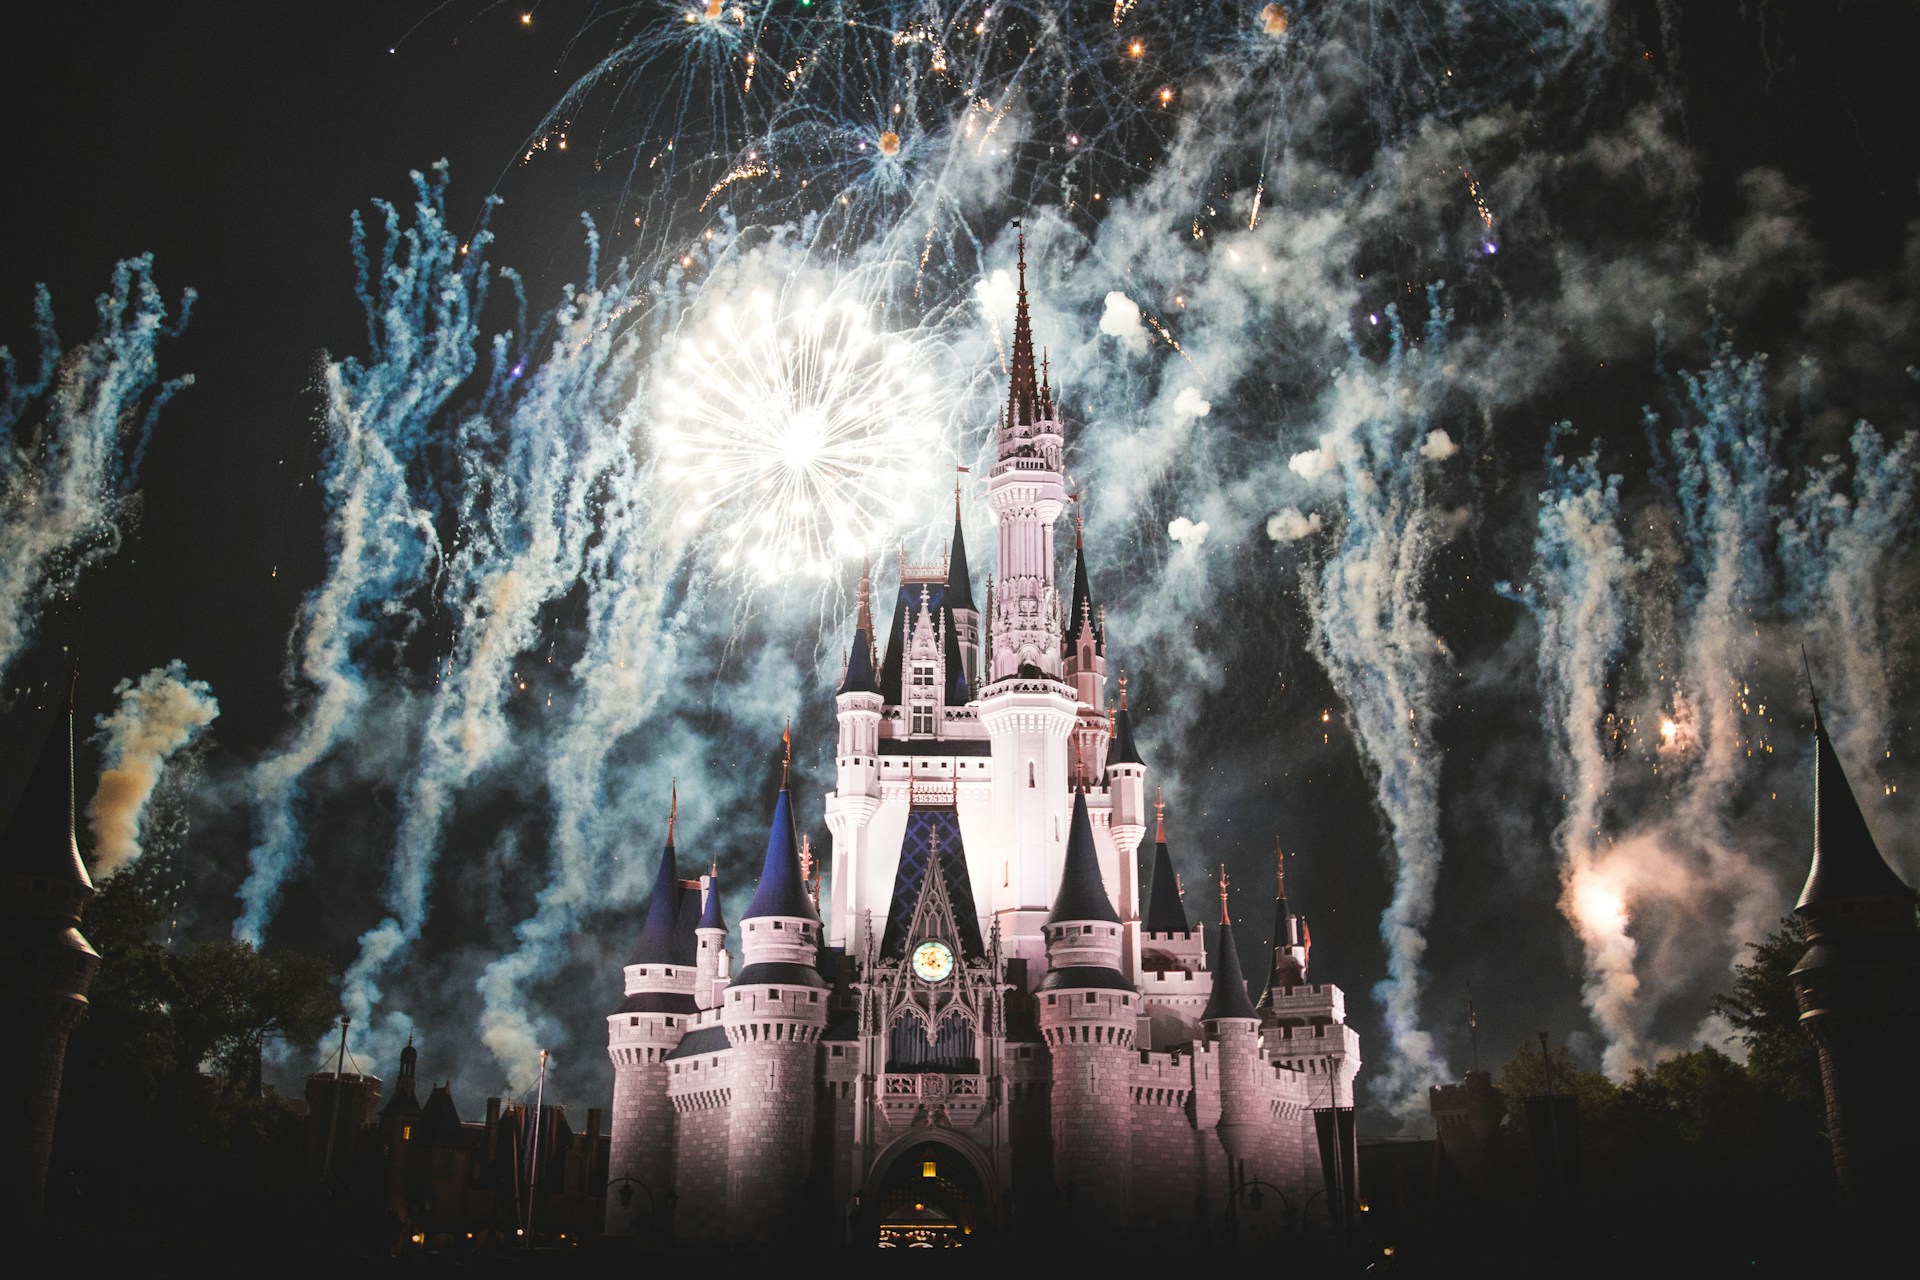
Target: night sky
(1549, 726)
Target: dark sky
(232, 142)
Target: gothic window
(922, 718)
(1029, 775)
(953, 1047)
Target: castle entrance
(928, 1196)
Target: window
(406, 1133)
(922, 718)
(1029, 775)
(773, 993)
(1089, 997)
(634, 1021)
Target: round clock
(932, 961)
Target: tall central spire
(1023, 394)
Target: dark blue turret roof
(1165, 912)
(664, 938)
(1229, 999)
(958, 694)
(860, 676)
(1082, 611)
(1083, 895)
(1846, 861)
(710, 917)
(781, 891)
(1120, 748)
(959, 581)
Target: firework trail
(71, 439)
(535, 457)
(1370, 628)
(1661, 881)
(422, 337)
(159, 716)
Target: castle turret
(1088, 1012)
(398, 1120)
(1083, 661)
(43, 888)
(1175, 983)
(964, 612)
(774, 1012)
(1858, 987)
(1125, 777)
(1233, 1025)
(660, 979)
(856, 795)
(1305, 1023)
(712, 964)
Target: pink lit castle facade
(980, 1029)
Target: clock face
(932, 961)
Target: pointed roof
(710, 917)
(781, 891)
(1165, 912)
(38, 839)
(1023, 390)
(860, 677)
(1083, 895)
(1846, 861)
(958, 693)
(661, 940)
(405, 1102)
(1081, 614)
(1229, 998)
(440, 1120)
(959, 581)
(1120, 746)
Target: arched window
(953, 1048)
(1029, 774)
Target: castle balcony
(902, 1097)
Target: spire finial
(786, 741)
(673, 808)
(806, 857)
(1813, 694)
(1159, 818)
(1023, 391)
(1123, 688)
(1280, 869)
(1224, 917)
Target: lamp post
(627, 1182)
(1250, 1187)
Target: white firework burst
(797, 433)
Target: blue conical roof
(1083, 895)
(1120, 748)
(661, 940)
(1229, 999)
(781, 891)
(710, 917)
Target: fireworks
(796, 433)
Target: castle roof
(39, 840)
(1083, 895)
(663, 938)
(781, 891)
(959, 594)
(1081, 614)
(1229, 998)
(779, 973)
(1075, 977)
(440, 1125)
(709, 1039)
(1165, 912)
(1846, 861)
(860, 676)
(710, 917)
(1023, 386)
(1120, 748)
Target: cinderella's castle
(979, 1029)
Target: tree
(1763, 1009)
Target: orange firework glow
(1273, 20)
(889, 143)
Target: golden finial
(1159, 817)
(673, 808)
(1224, 918)
(1123, 688)
(786, 765)
(1280, 869)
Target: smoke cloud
(159, 716)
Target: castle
(980, 1028)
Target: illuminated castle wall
(980, 1029)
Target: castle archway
(930, 1188)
